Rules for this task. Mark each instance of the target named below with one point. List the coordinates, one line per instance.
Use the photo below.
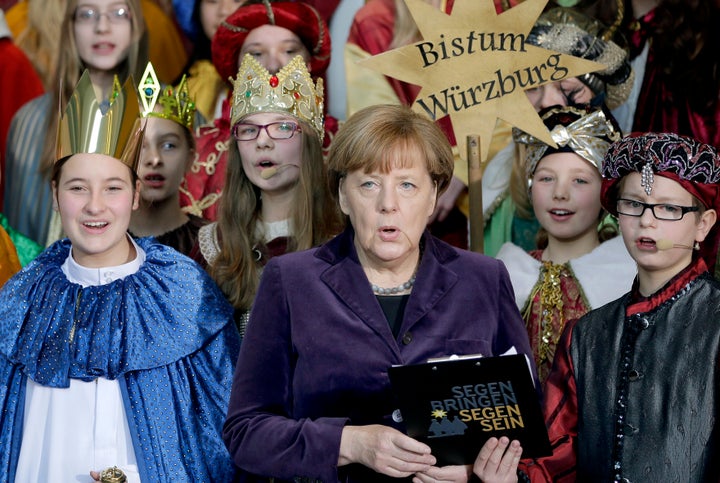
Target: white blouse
(69, 432)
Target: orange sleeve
(9, 263)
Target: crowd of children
(141, 203)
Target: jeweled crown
(109, 127)
(176, 103)
(291, 90)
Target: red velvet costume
(20, 84)
(659, 108)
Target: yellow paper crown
(88, 127)
(292, 91)
(175, 102)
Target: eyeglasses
(661, 211)
(276, 130)
(89, 15)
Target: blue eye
(247, 129)
(85, 14)
(120, 13)
(669, 209)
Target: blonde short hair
(370, 137)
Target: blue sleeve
(12, 409)
(176, 412)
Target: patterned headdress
(570, 32)
(585, 131)
(175, 102)
(695, 165)
(291, 91)
(89, 126)
(298, 17)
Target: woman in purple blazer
(311, 396)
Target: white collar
(88, 277)
(604, 274)
(267, 231)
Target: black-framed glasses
(661, 211)
(91, 15)
(246, 131)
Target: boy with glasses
(635, 386)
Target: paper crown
(89, 126)
(175, 102)
(291, 91)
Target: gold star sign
(475, 65)
(439, 413)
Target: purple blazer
(318, 347)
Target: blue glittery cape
(165, 332)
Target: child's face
(95, 197)
(642, 233)
(264, 152)
(213, 12)
(566, 92)
(273, 47)
(164, 159)
(566, 196)
(103, 43)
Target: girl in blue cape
(114, 352)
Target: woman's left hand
(384, 449)
(455, 474)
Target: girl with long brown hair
(275, 198)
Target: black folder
(456, 405)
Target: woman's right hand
(385, 450)
(498, 460)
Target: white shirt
(70, 431)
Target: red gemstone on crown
(273, 81)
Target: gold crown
(89, 126)
(292, 90)
(175, 102)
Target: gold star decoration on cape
(475, 65)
